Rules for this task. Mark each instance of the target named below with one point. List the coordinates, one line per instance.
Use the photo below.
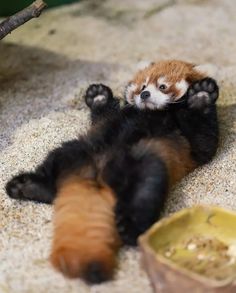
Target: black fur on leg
(31, 186)
(41, 185)
(201, 130)
(140, 181)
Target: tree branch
(12, 22)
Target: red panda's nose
(145, 95)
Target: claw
(211, 87)
(204, 85)
(197, 87)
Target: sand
(46, 65)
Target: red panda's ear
(129, 92)
(182, 87)
(207, 70)
(199, 68)
(144, 64)
(197, 72)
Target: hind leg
(31, 186)
(41, 185)
(99, 98)
(140, 181)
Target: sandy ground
(45, 67)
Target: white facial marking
(129, 91)
(182, 86)
(147, 80)
(99, 98)
(157, 99)
(162, 80)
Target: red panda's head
(161, 83)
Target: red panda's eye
(143, 87)
(162, 87)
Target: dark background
(12, 6)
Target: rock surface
(45, 67)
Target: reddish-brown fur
(84, 228)
(175, 154)
(173, 71)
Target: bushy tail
(85, 239)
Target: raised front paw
(98, 96)
(202, 93)
(28, 186)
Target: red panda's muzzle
(145, 95)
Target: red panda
(134, 153)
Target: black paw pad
(98, 95)
(203, 93)
(15, 187)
